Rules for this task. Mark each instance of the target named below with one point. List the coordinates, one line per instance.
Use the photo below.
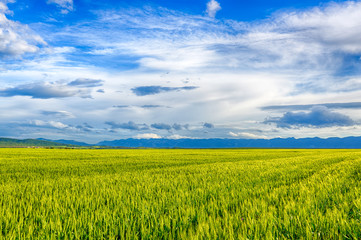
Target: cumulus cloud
(128, 126)
(177, 136)
(44, 90)
(318, 116)
(165, 126)
(177, 126)
(39, 90)
(66, 6)
(246, 135)
(48, 124)
(58, 114)
(208, 125)
(152, 90)
(16, 38)
(151, 106)
(147, 136)
(347, 105)
(212, 8)
(86, 82)
(84, 127)
(161, 126)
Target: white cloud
(51, 124)
(147, 136)
(247, 135)
(212, 8)
(16, 38)
(176, 136)
(65, 5)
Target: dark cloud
(46, 90)
(349, 105)
(319, 116)
(41, 90)
(137, 127)
(129, 126)
(86, 82)
(151, 90)
(100, 91)
(165, 126)
(58, 114)
(85, 127)
(208, 125)
(121, 106)
(177, 126)
(152, 106)
(161, 126)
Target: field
(180, 194)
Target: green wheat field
(180, 194)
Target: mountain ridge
(352, 142)
(316, 142)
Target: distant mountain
(69, 142)
(347, 142)
(10, 142)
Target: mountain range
(347, 142)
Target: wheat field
(180, 194)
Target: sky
(104, 70)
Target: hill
(10, 142)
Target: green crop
(180, 194)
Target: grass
(180, 194)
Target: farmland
(180, 194)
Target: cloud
(161, 126)
(147, 106)
(121, 106)
(147, 136)
(318, 116)
(164, 126)
(177, 126)
(176, 136)
(58, 114)
(151, 106)
(348, 105)
(65, 5)
(318, 39)
(246, 135)
(45, 90)
(48, 124)
(208, 125)
(212, 8)
(86, 82)
(128, 126)
(16, 39)
(152, 90)
(80, 87)
(85, 127)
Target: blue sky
(102, 70)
